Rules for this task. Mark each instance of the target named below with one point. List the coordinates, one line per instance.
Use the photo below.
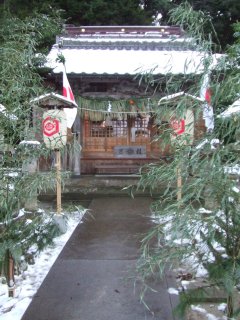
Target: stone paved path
(92, 277)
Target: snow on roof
(179, 94)
(127, 38)
(231, 110)
(121, 62)
(53, 98)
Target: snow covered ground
(30, 280)
(191, 274)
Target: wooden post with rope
(182, 134)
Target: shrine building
(118, 76)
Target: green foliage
(224, 14)
(135, 12)
(20, 82)
(155, 7)
(94, 12)
(184, 232)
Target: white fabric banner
(67, 92)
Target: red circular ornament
(50, 126)
(178, 126)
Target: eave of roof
(89, 61)
(178, 95)
(53, 99)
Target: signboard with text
(130, 152)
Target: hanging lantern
(54, 127)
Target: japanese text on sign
(130, 151)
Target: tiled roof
(126, 50)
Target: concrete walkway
(92, 277)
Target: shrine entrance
(117, 145)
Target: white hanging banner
(205, 94)
(54, 127)
(71, 113)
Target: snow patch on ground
(173, 291)
(30, 280)
(199, 309)
(197, 272)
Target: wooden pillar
(58, 178)
(129, 127)
(10, 275)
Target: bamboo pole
(58, 178)
(179, 184)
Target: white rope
(120, 112)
